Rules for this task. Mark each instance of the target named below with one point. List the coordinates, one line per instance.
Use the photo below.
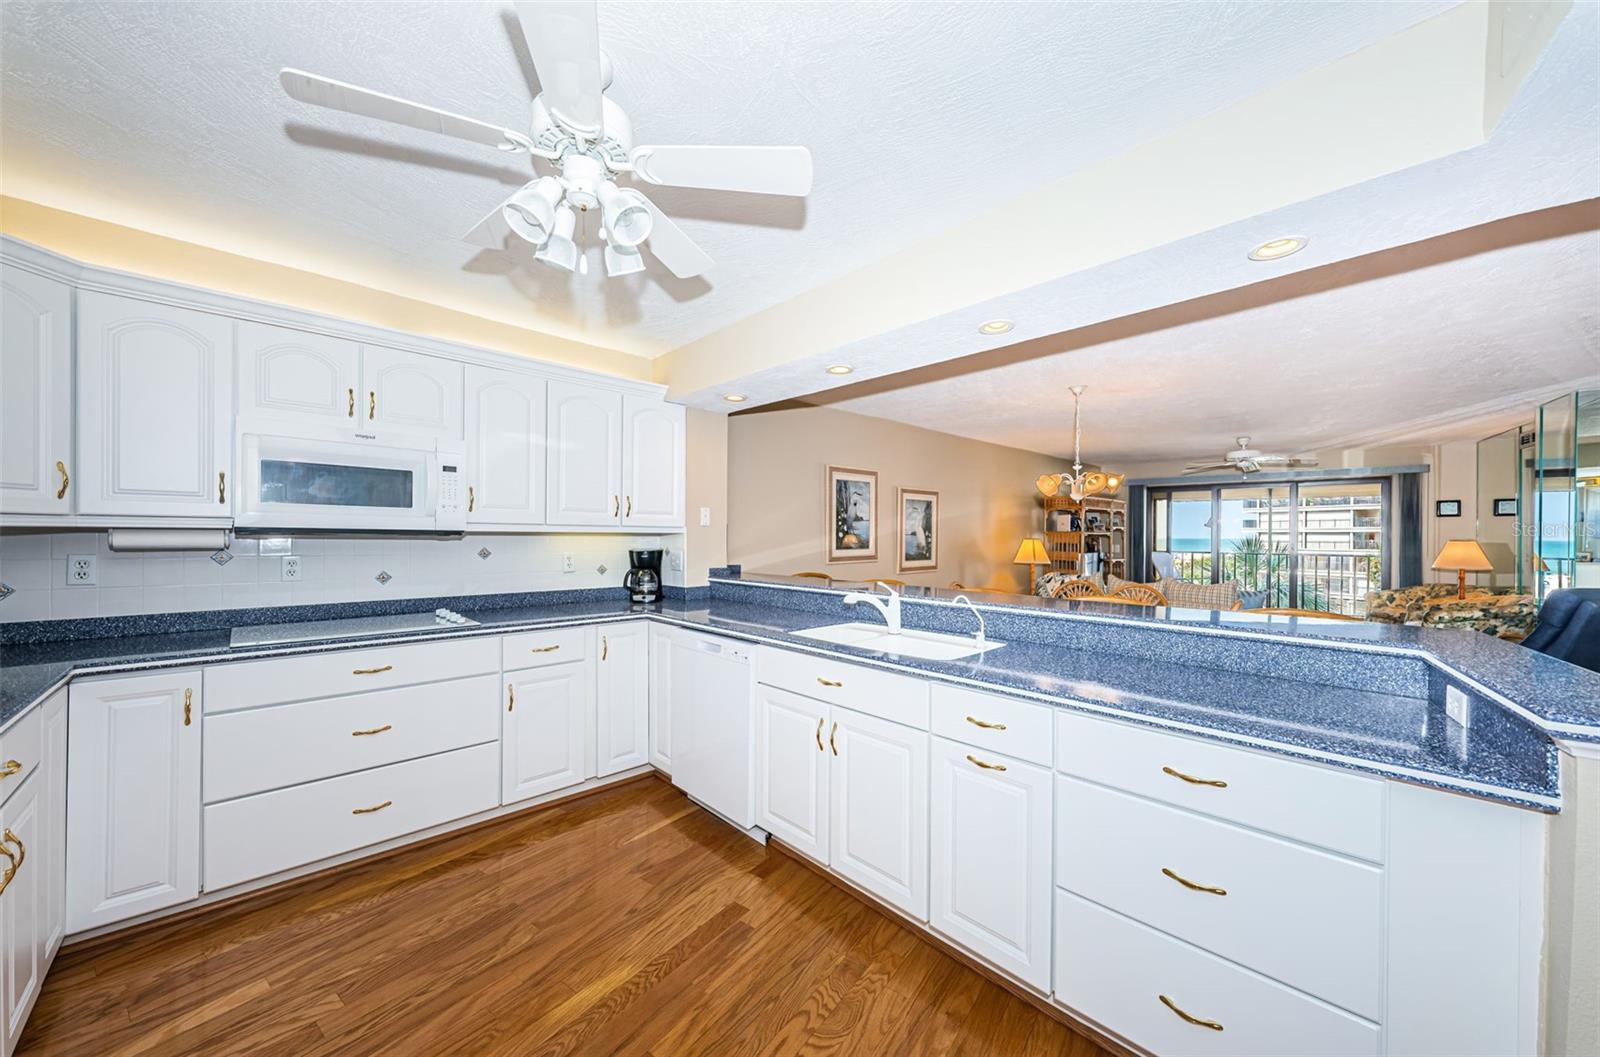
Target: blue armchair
(1569, 627)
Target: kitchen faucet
(963, 598)
(889, 609)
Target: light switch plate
(705, 517)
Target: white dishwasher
(713, 730)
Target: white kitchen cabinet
(505, 447)
(411, 392)
(661, 697)
(990, 834)
(622, 698)
(547, 733)
(155, 408)
(133, 796)
(35, 394)
(22, 923)
(297, 376)
(792, 771)
(53, 823)
(878, 792)
(584, 455)
(652, 463)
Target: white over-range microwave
(350, 482)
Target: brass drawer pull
(545, 649)
(11, 868)
(222, 487)
(828, 682)
(986, 766)
(614, 504)
(1196, 1021)
(820, 722)
(472, 498)
(374, 730)
(1192, 886)
(188, 705)
(372, 671)
(511, 697)
(630, 507)
(22, 851)
(61, 468)
(370, 810)
(832, 734)
(350, 411)
(12, 767)
(1192, 780)
(976, 722)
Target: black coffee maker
(644, 578)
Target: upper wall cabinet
(35, 394)
(585, 456)
(309, 377)
(505, 447)
(155, 421)
(652, 462)
(411, 392)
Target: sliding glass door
(1307, 545)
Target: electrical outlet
(675, 562)
(1456, 706)
(80, 570)
(569, 564)
(291, 567)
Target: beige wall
(1572, 940)
(779, 520)
(131, 250)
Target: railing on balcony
(1335, 582)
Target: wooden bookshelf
(1108, 534)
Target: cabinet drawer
(1113, 848)
(536, 649)
(246, 684)
(259, 835)
(988, 721)
(1114, 971)
(1333, 809)
(898, 698)
(269, 748)
(21, 746)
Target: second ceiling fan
(588, 140)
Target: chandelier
(1078, 483)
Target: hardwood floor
(629, 922)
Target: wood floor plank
(629, 922)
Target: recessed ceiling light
(995, 326)
(840, 368)
(1271, 251)
(734, 398)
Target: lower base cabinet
(990, 863)
(622, 698)
(547, 733)
(792, 770)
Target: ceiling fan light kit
(588, 139)
(1080, 483)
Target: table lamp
(1031, 554)
(1463, 556)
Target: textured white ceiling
(168, 116)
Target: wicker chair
(891, 583)
(814, 576)
(1080, 589)
(1139, 595)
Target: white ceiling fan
(588, 140)
(1248, 460)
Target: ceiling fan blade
(564, 39)
(491, 231)
(337, 95)
(672, 247)
(1207, 467)
(763, 170)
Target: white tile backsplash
(331, 570)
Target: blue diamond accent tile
(484, 552)
(6, 590)
(600, 569)
(222, 557)
(383, 577)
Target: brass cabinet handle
(832, 734)
(61, 468)
(370, 810)
(1188, 1018)
(372, 671)
(11, 868)
(976, 722)
(545, 649)
(372, 404)
(374, 730)
(614, 503)
(1192, 780)
(828, 682)
(350, 409)
(820, 721)
(188, 706)
(22, 850)
(986, 766)
(629, 512)
(472, 498)
(12, 767)
(511, 697)
(1193, 886)
(222, 487)
(605, 647)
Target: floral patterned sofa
(1491, 611)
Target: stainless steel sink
(928, 645)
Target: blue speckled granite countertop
(1399, 730)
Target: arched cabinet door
(585, 455)
(298, 376)
(409, 391)
(652, 462)
(155, 409)
(36, 464)
(505, 447)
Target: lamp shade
(1463, 554)
(1031, 553)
